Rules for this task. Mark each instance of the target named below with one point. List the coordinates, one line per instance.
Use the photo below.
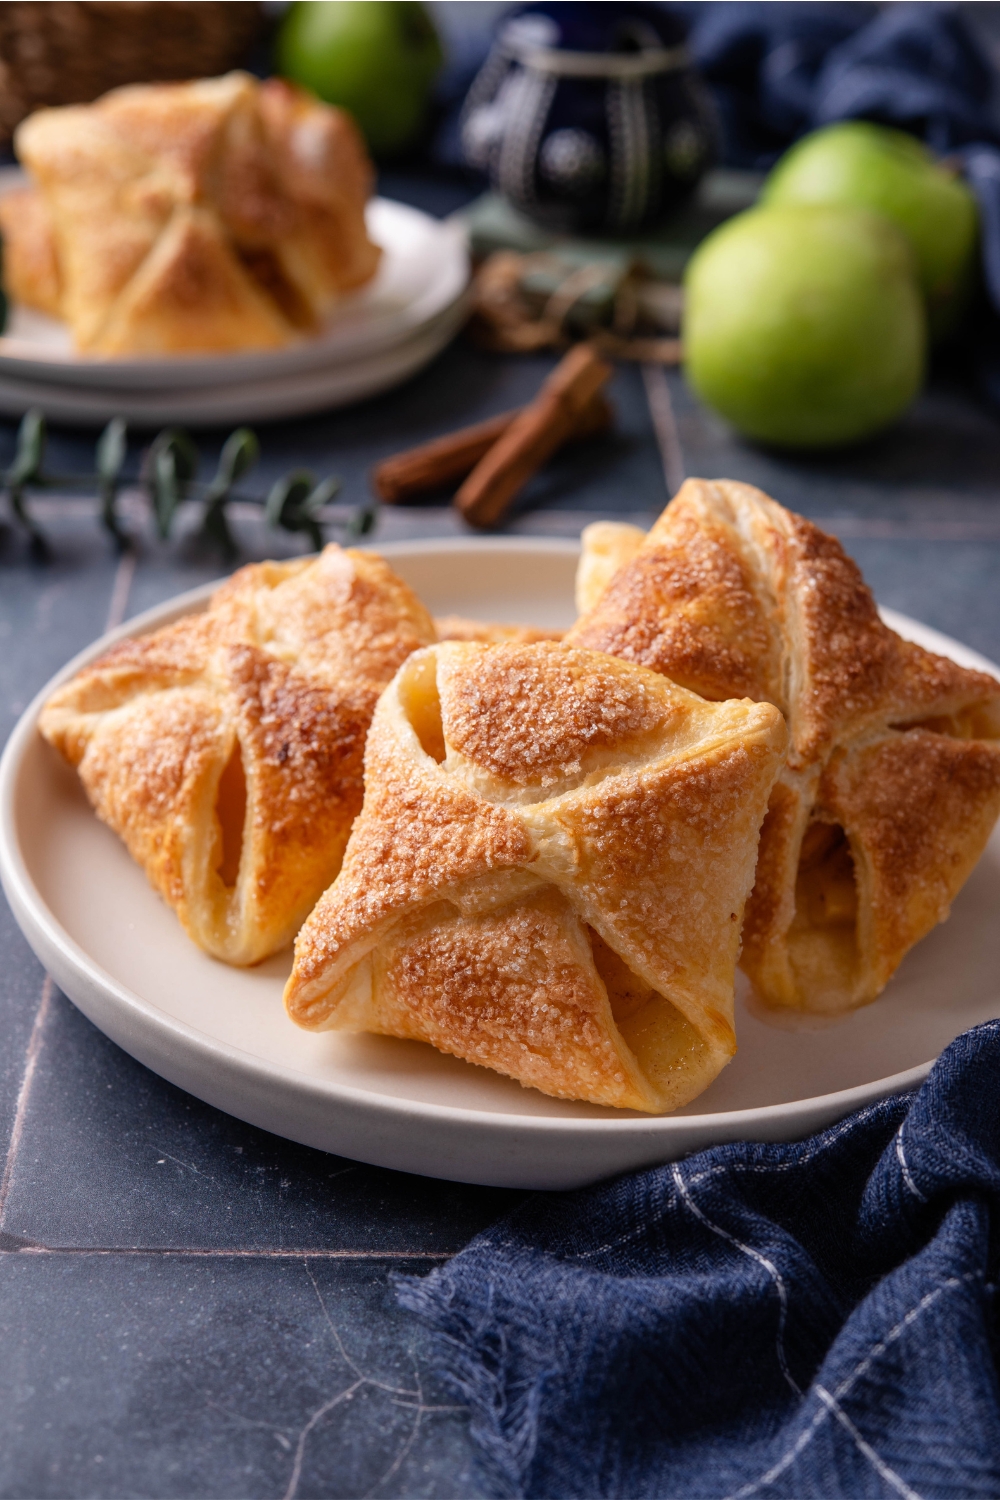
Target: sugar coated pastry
(548, 873)
(226, 750)
(606, 546)
(212, 216)
(30, 268)
(892, 783)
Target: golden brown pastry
(213, 216)
(30, 269)
(892, 784)
(226, 750)
(605, 546)
(548, 873)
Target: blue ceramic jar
(589, 117)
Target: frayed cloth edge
(459, 1353)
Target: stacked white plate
(379, 337)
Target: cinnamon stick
(533, 437)
(445, 461)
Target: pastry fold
(212, 216)
(548, 873)
(226, 750)
(605, 546)
(892, 781)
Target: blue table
(189, 1306)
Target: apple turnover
(892, 782)
(213, 216)
(548, 874)
(226, 750)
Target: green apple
(871, 166)
(376, 58)
(804, 326)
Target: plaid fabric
(784, 1321)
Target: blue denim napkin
(777, 71)
(798, 1320)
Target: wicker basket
(71, 51)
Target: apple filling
(231, 810)
(423, 706)
(823, 938)
(660, 1037)
(979, 722)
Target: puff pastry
(212, 216)
(226, 750)
(548, 873)
(892, 783)
(605, 546)
(30, 269)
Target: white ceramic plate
(221, 1033)
(423, 272)
(293, 394)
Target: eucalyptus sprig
(26, 469)
(169, 476)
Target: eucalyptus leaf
(286, 496)
(324, 492)
(173, 463)
(215, 526)
(112, 448)
(363, 521)
(29, 450)
(240, 452)
(313, 531)
(295, 502)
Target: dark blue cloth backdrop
(813, 1319)
(779, 70)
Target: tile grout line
(661, 411)
(178, 1252)
(21, 1108)
(121, 588)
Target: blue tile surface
(189, 1306)
(218, 1376)
(112, 1155)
